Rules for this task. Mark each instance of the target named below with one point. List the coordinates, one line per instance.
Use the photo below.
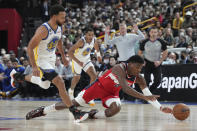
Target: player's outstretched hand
(165, 109)
(151, 98)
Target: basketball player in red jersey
(107, 88)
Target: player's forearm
(72, 56)
(133, 92)
(30, 53)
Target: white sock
(49, 109)
(71, 93)
(100, 114)
(147, 92)
(37, 80)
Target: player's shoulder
(144, 41)
(42, 29)
(80, 43)
(118, 68)
(162, 41)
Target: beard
(58, 23)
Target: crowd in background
(178, 31)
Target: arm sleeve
(163, 44)
(140, 35)
(142, 44)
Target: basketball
(181, 111)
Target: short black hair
(112, 57)
(153, 27)
(87, 29)
(14, 60)
(136, 59)
(55, 9)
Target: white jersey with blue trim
(83, 53)
(45, 51)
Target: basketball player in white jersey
(41, 52)
(80, 55)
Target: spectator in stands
(59, 66)
(188, 20)
(5, 58)
(182, 42)
(67, 75)
(25, 63)
(194, 38)
(177, 23)
(1, 75)
(189, 35)
(183, 57)
(95, 63)
(168, 36)
(187, 56)
(171, 10)
(105, 64)
(112, 61)
(28, 68)
(171, 59)
(189, 49)
(158, 25)
(3, 52)
(17, 66)
(13, 56)
(7, 89)
(21, 59)
(195, 58)
(45, 11)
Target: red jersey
(110, 82)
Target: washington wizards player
(107, 88)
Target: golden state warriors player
(41, 52)
(80, 55)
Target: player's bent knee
(80, 100)
(58, 81)
(113, 109)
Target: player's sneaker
(92, 113)
(35, 113)
(3, 94)
(78, 114)
(71, 93)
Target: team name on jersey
(110, 75)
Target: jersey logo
(51, 45)
(86, 51)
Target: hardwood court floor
(132, 117)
